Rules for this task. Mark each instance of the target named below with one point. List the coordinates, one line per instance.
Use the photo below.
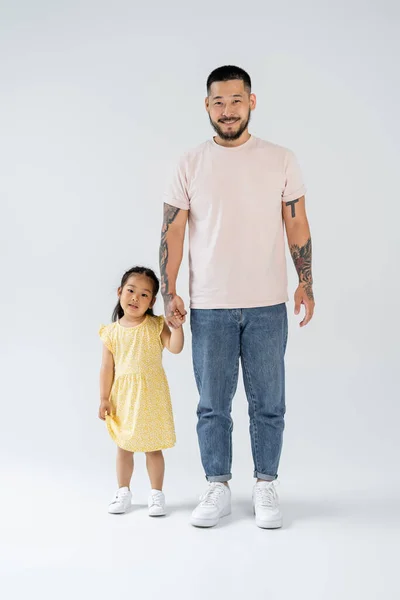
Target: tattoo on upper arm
(170, 213)
(302, 260)
(292, 204)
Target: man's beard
(232, 135)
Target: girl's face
(136, 297)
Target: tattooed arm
(299, 239)
(171, 251)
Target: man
(236, 191)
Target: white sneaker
(215, 503)
(266, 505)
(157, 504)
(121, 502)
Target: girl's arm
(173, 339)
(106, 381)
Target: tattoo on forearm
(170, 213)
(308, 290)
(292, 203)
(302, 260)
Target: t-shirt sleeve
(176, 192)
(294, 184)
(105, 337)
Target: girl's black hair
(118, 312)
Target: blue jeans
(256, 336)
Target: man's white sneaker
(156, 504)
(266, 505)
(122, 501)
(215, 503)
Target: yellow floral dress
(142, 419)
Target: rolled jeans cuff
(220, 478)
(265, 477)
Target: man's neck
(233, 143)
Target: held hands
(181, 319)
(175, 312)
(105, 409)
(304, 295)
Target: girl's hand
(105, 409)
(174, 306)
(181, 318)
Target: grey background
(98, 100)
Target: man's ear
(207, 104)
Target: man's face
(229, 107)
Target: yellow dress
(140, 398)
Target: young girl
(134, 394)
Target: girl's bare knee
(124, 453)
(154, 453)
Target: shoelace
(119, 497)
(266, 496)
(156, 500)
(210, 498)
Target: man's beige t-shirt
(236, 238)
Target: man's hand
(105, 409)
(174, 310)
(304, 295)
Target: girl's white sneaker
(157, 504)
(122, 501)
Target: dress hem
(147, 450)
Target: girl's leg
(124, 467)
(155, 468)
